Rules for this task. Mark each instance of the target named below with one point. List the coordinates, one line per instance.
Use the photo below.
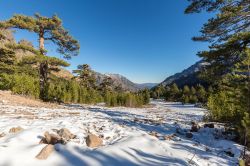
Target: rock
(45, 152)
(195, 127)
(207, 149)
(153, 133)
(189, 135)
(2, 135)
(107, 138)
(136, 120)
(15, 129)
(209, 125)
(51, 139)
(169, 137)
(229, 153)
(93, 141)
(66, 134)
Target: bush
(20, 84)
(221, 109)
(6, 82)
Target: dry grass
(7, 97)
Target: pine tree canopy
(49, 29)
(228, 33)
(86, 75)
(232, 18)
(52, 61)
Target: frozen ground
(126, 135)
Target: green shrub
(20, 84)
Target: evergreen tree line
(194, 94)
(71, 91)
(36, 75)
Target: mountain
(147, 85)
(188, 76)
(126, 84)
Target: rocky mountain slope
(188, 76)
(125, 83)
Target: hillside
(188, 76)
(126, 84)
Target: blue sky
(144, 40)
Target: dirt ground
(6, 97)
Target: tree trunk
(41, 41)
(43, 71)
(44, 80)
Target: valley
(156, 135)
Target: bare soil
(6, 97)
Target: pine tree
(106, 84)
(186, 90)
(228, 72)
(201, 93)
(145, 96)
(246, 124)
(228, 32)
(86, 76)
(185, 94)
(7, 60)
(50, 29)
(174, 92)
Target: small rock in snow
(51, 139)
(15, 129)
(2, 135)
(189, 135)
(169, 137)
(93, 141)
(209, 125)
(66, 134)
(154, 133)
(195, 127)
(45, 152)
(229, 153)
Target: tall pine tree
(50, 29)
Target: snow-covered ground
(126, 135)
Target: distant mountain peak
(125, 83)
(188, 76)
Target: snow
(125, 131)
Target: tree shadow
(135, 157)
(128, 119)
(216, 153)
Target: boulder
(189, 135)
(45, 152)
(66, 134)
(51, 139)
(93, 141)
(15, 129)
(209, 125)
